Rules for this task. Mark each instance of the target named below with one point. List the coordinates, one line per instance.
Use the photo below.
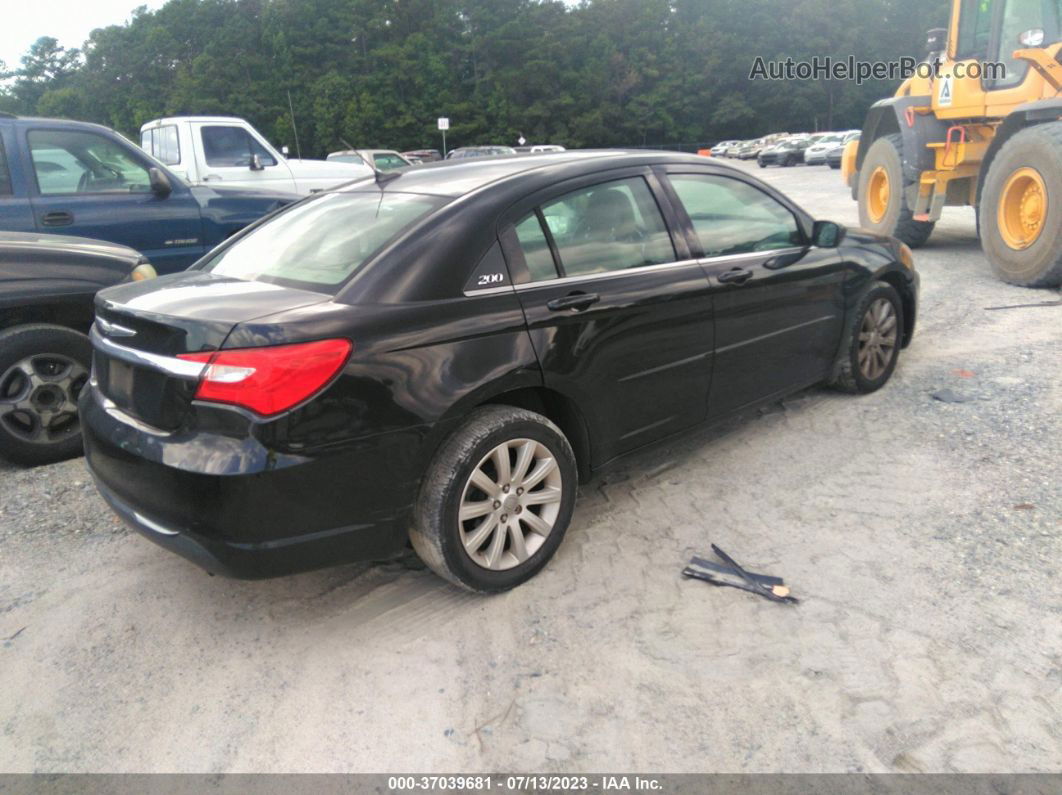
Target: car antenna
(383, 177)
(294, 129)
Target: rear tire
(1020, 212)
(42, 371)
(882, 207)
(873, 338)
(510, 532)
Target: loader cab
(980, 74)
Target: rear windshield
(321, 243)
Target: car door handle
(576, 301)
(735, 276)
(58, 218)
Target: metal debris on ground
(734, 576)
(951, 396)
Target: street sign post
(444, 125)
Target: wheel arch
(1021, 118)
(904, 286)
(561, 410)
(890, 117)
(68, 315)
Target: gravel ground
(923, 538)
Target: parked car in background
(74, 178)
(442, 356)
(835, 152)
(787, 152)
(378, 159)
(724, 148)
(539, 148)
(748, 149)
(423, 155)
(47, 285)
(480, 151)
(815, 154)
(229, 151)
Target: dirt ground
(924, 539)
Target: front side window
(225, 145)
(5, 175)
(732, 217)
(162, 144)
(71, 161)
(975, 29)
(609, 227)
(321, 243)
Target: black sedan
(47, 284)
(441, 355)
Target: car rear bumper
(270, 515)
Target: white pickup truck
(227, 151)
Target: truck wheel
(882, 208)
(496, 500)
(42, 371)
(1020, 213)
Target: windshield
(321, 243)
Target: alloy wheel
(510, 504)
(877, 338)
(38, 398)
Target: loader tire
(1020, 213)
(882, 208)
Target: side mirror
(936, 40)
(256, 163)
(159, 182)
(1032, 38)
(826, 234)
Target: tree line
(377, 73)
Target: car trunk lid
(142, 327)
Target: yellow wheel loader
(979, 123)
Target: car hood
(33, 245)
(329, 169)
(207, 193)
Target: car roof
(455, 178)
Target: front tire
(882, 207)
(42, 371)
(873, 339)
(1020, 213)
(496, 500)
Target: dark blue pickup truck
(74, 178)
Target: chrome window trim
(607, 274)
(170, 365)
(774, 252)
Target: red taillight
(269, 380)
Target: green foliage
(377, 73)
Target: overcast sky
(70, 21)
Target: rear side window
(5, 175)
(225, 145)
(163, 144)
(320, 243)
(732, 217)
(608, 227)
(535, 246)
